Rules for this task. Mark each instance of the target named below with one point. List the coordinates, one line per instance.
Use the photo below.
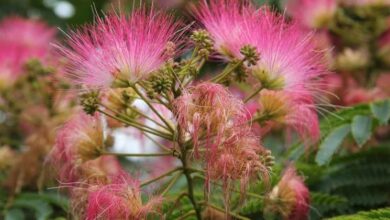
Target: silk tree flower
(80, 140)
(226, 21)
(288, 59)
(120, 199)
(240, 157)
(210, 110)
(116, 46)
(312, 14)
(20, 40)
(297, 111)
(290, 197)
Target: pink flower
(209, 110)
(290, 197)
(78, 141)
(128, 48)
(227, 21)
(120, 199)
(296, 110)
(312, 14)
(288, 59)
(239, 157)
(20, 40)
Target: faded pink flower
(128, 48)
(312, 14)
(208, 110)
(239, 157)
(120, 199)
(20, 40)
(296, 110)
(290, 197)
(78, 141)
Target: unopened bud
(90, 102)
(250, 54)
(202, 39)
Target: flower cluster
(148, 87)
(287, 61)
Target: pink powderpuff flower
(312, 14)
(239, 157)
(20, 40)
(290, 197)
(78, 141)
(128, 48)
(288, 58)
(209, 110)
(120, 199)
(226, 21)
(296, 110)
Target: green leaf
(383, 213)
(14, 214)
(52, 198)
(331, 144)
(41, 208)
(361, 129)
(381, 111)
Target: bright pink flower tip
(118, 46)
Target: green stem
(152, 107)
(176, 202)
(232, 189)
(187, 174)
(138, 126)
(147, 117)
(188, 214)
(132, 120)
(158, 144)
(260, 119)
(227, 71)
(171, 184)
(160, 177)
(253, 94)
(230, 213)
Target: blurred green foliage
(45, 9)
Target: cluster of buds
(203, 42)
(90, 102)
